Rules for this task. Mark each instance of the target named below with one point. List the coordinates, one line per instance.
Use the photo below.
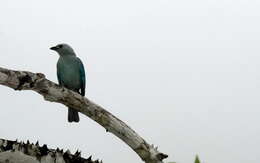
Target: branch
(20, 152)
(24, 80)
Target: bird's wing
(82, 77)
(59, 75)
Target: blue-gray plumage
(71, 74)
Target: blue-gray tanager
(71, 74)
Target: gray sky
(184, 74)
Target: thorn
(68, 152)
(89, 158)
(77, 153)
(161, 156)
(44, 150)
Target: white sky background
(184, 74)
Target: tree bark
(24, 80)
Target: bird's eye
(60, 46)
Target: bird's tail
(73, 115)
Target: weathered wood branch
(20, 152)
(24, 80)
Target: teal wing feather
(82, 77)
(59, 76)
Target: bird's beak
(54, 48)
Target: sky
(185, 75)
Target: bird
(70, 74)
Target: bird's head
(63, 49)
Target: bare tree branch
(24, 80)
